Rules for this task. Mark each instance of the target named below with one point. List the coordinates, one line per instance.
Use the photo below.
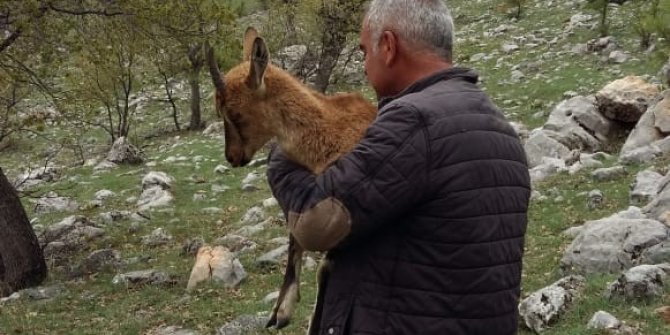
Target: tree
(602, 6)
(339, 19)
(517, 5)
(187, 24)
(106, 78)
(22, 262)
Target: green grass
(92, 305)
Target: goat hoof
(272, 322)
(277, 323)
(282, 322)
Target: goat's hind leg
(289, 294)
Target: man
(424, 220)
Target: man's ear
(388, 45)
(259, 62)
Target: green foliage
(516, 5)
(602, 7)
(650, 17)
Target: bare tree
(21, 259)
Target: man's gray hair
(424, 24)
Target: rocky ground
(121, 233)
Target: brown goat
(257, 102)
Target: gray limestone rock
(544, 307)
(612, 244)
(640, 282)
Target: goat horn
(214, 69)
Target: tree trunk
(339, 19)
(196, 58)
(21, 260)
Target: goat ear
(247, 44)
(259, 62)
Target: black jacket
(433, 202)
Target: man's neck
(415, 69)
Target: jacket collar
(421, 84)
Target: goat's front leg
(289, 294)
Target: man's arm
(381, 179)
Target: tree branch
(103, 12)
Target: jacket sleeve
(373, 186)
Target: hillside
(100, 223)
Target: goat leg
(289, 294)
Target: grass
(92, 305)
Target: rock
(309, 264)
(517, 76)
(661, 112)
(272, 258)
(33, 177)
(509, 48)
(156, 178)
(67, 237)
(540, 145)
(664, 74)
(270, 203)
(601, 44)
(586, 161)
(39, 293)
(573, 231)
(253, 216)
(609, 174)
(236, 243)
(656, 254)
(659, 207)
(644, 133)
(97, 261)
(144, 277)
(200, 196)
(564, 124)
(251, 178)
(221, 169)
(663, 312)
(477, 57)
(548, 168)
(157, 237)
(226, 269)
(218, 264)
(640, 282)
(171, 330)
(594, 200)
(271, 298)
(114, 216)
(291, 58)
(544, 307)
(155, 191)
(626, 99)
(585, 112)
(214, 129)
(51, 203)
(603, 320)
(641, 155)
(618, 57)
(122, 152)
(644, 187)
(249, 188)
(258, 162)
(212, 210)
(216, 189)
(248, 231)
(244, 325)
(104, 195)
(105, 165)
(612, 244)
(191, 246)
